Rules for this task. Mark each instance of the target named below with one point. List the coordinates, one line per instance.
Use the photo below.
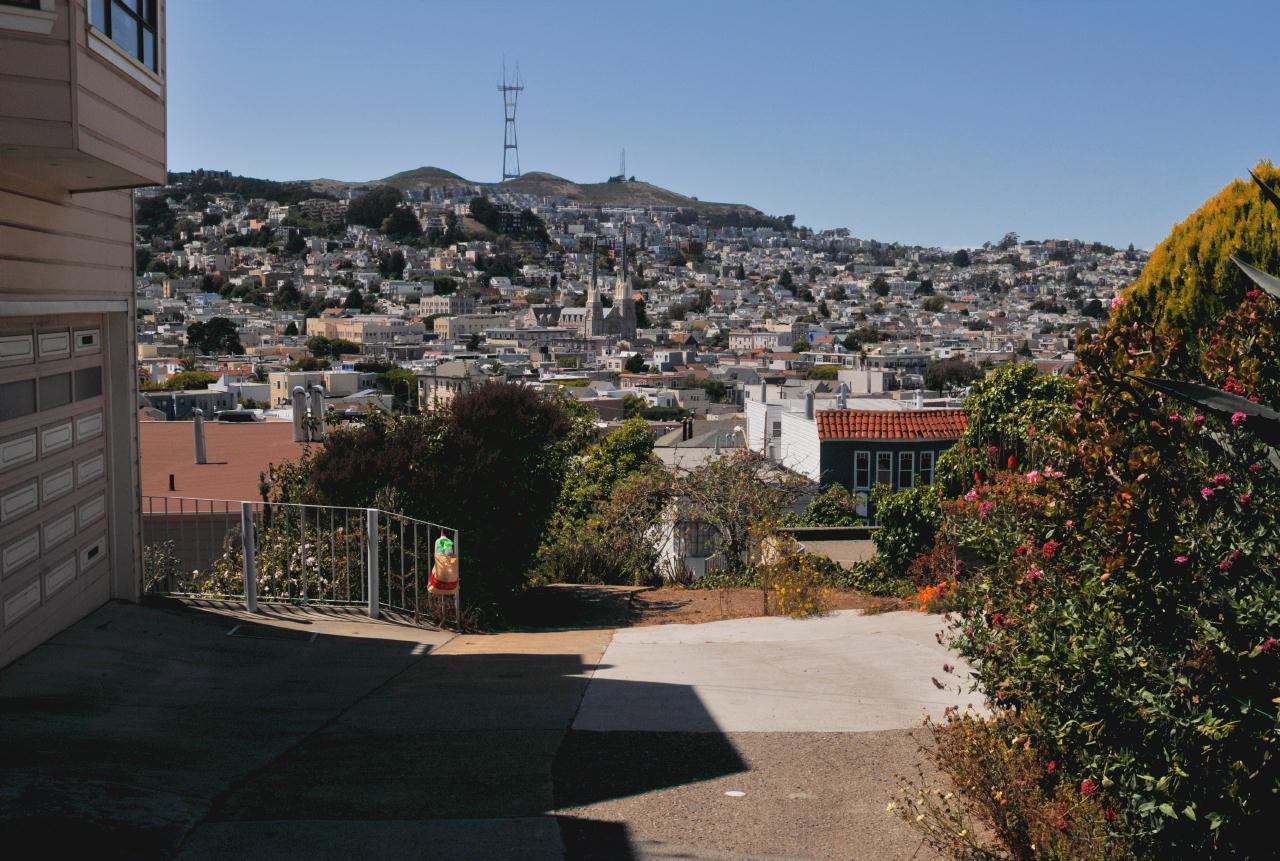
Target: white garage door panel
(18, 501)
(18, 450)
(60, 575)
(19, 552)
(50, 534)
(19, 604)
(58, 530)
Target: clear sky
(943, 123)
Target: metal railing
(297, 554)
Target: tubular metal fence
(297, 554)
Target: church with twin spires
(619, 320)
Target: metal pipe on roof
(197, 423)
(300, 414)
(318, 428)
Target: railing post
(249, 547)
(371, 550)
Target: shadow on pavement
(137, 725)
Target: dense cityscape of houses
(657, 311)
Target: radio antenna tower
(510, 90)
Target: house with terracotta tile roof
(855, 442)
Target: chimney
(318, 429)
(197, 423)
(808, 404)
(764, 391)
(300, 414)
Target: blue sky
(942, 123)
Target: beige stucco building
(82, 121)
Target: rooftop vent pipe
(197, 422)
(318, 429)
(300, 414)
(808, 404)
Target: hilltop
(543, 184)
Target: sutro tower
(510, 90)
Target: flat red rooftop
(237, 453)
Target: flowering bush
(1010, 792)
(790, 576)
(1124, 589)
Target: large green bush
(491, 464)
(1123, 591)
(908, 521)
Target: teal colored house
(862, 448)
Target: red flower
(1088, 786)
(1062, 825)
(1110, 813)
(1010, 461)
(1050, 548)
(997, 619)
(1051, 767)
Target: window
(906, 469)
(861, 470)
(131, 24)
(884, 467)
(777, 430)
(926, 467)
(25, 4)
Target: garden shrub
(491, 464)
(908, 520)
(1126, 592)
(1014, 803)
(835, 506)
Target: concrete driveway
(145, 732)
(845, 672)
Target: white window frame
(882, 457)
(926, 472)
(865, 468)
(29, 20)
(906, 469)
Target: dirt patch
(690, 606)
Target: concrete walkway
(146, 732)
(845, 672)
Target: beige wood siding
(35, 87)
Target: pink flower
(1198, 420)
(1050, 548)
(1255, 467)
(1222, 478)
(1116, 301)
(997, 619)
(971, 495)
(1033, 574)
(1062, 824)
(1088, 786)
(1022, 550)
(1033, 476)
(1269, 644)
(1175, 417)
(1110, 813)
(1238, 419)
(1225, 564)
(1206, 492)
(1245, 498)
(1051, 767)
(986, 507)
(1071, 524)
(1180, 560)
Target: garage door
(53, 465)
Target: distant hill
(1189, 281)
(549, 185)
